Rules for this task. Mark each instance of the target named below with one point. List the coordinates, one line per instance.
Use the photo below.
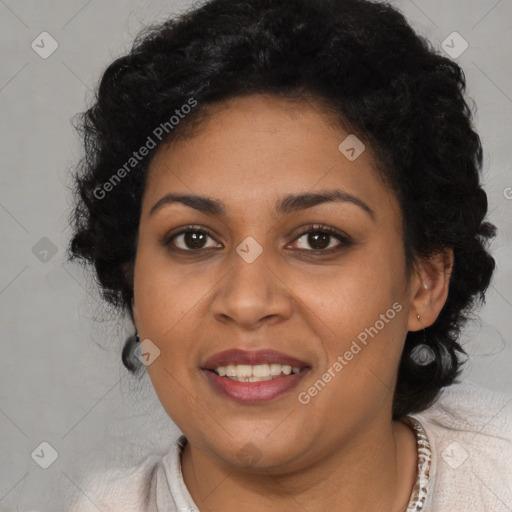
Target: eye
(189, 240)
(322, 239)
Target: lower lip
(254, 392)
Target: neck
(376, 471)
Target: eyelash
(345, 240)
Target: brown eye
(194, 239)
(190, 240)
(319, 239)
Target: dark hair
(363, 62)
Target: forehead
(252, 149)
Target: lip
(239, 356)
(254, 392)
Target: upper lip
(239, 356)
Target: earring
(137, 338)
(422, 354)
(424, 332)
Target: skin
(341, 450)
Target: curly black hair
(367, 66)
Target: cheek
(363, 327)
(172, 307)
(163, 294)
(351, 296)
(362, 332)
(359, 313)
(166, 300)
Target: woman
(285, 198)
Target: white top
(469, 430)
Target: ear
(429, 289)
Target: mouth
(254, 377)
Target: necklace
(419, 492)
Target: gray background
(61, 378)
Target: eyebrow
(291, 203)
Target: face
(321, 281)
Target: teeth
(243, 370)
(255, 373)
(250, 379)
(275, 369)
(260, 370)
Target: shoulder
(120, 490)
(466, 411)
(470, 433)
(155, 484)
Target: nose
(252, 294)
